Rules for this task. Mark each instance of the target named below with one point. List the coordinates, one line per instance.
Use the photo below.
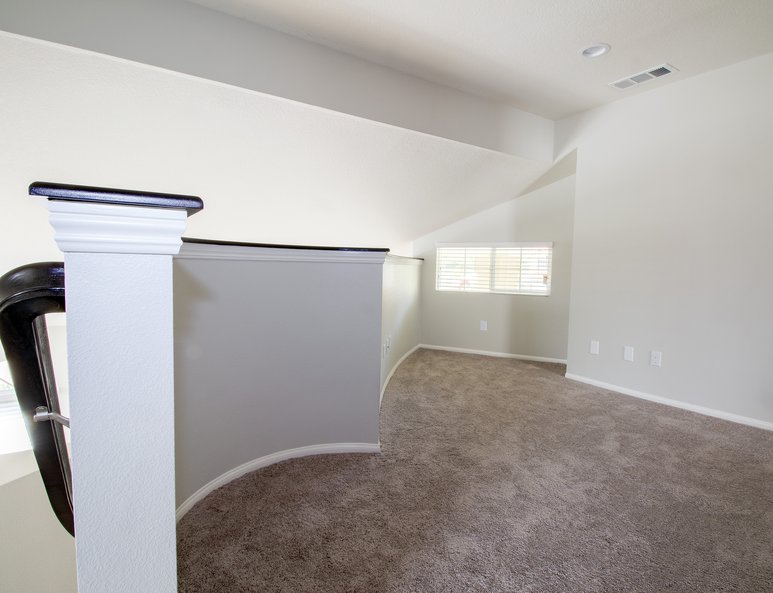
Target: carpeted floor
(500, 475)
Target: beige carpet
(500, 475)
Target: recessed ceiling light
(596, 50)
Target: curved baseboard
(267, 460)
(674, 403)
(496, 354)
(394, 368)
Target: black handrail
(109, 195)
(283, 246)
(27, 294)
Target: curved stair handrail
(27, 294)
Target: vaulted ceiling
(296, 173)
(527, 52)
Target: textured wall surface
(120, 347)
(672, 240)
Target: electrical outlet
(483, 325)
(594, 346)
(628, 353)
(656, 358)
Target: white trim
(119, 284)
(674, 403)
(257, 253)
(495, 354)
(394, 368)
(271, 459)
(87, 227)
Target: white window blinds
(509, 268)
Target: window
(507, 268)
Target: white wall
(400, 320)
(188, 38)
(36, 553)
(269, 169)
(672, 240)
(274, 351)
(517, 324)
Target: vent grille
(644, 76)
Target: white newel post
(118, 278)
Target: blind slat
(510, 269)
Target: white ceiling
(527, 52)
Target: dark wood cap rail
(123, 197)
(275, 246)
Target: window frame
(493, 246)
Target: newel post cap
(106, 220)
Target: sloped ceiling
(268, 169)
(527, 52)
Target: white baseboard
(497, 354)
(394, 368)
(674, 403)
(267, 460)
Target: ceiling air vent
(641, 77)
